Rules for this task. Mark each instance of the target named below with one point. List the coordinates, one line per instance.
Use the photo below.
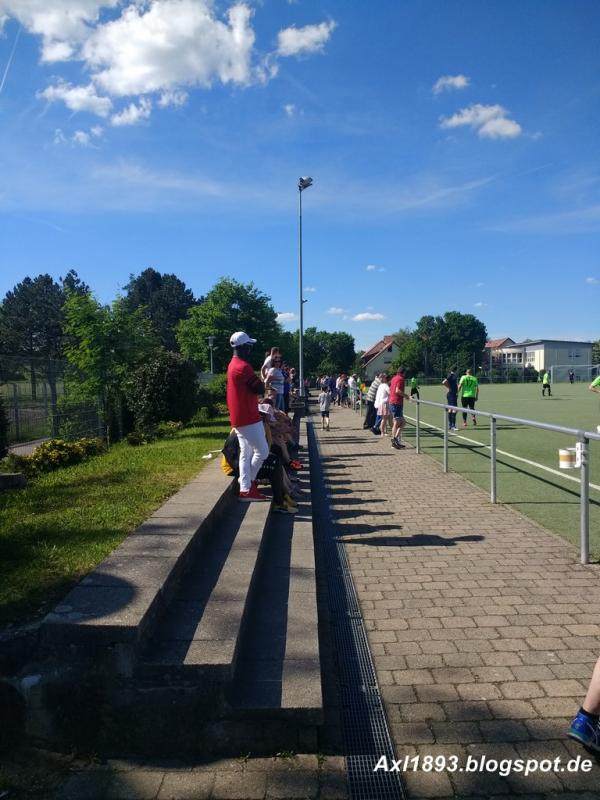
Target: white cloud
(450, 82)
(153, 47)
(290, 109)
(309, 289)
(173, 97)
(82, 138)
(334, 310)
(62, 24)
(490, 122)
(375, 268)
(592, 281)
(133, 113)
(480, 305)
(168, 44)
(367, 316)
(310, 39)
(286, 316)
(78, 98)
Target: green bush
(164, 388)
(164, 430)
(212, 396)
(3, 430)
(54, 454)
(202, 415)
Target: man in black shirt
(451, 384)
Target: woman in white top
(382, 405)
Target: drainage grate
(365, 729)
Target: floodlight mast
(303, 183)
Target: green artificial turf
(551, 500)
(65, 522)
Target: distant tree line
(441, 342)
(152, 341)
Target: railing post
(445, 429)
(585, 501)
(418, 436)
(16, 413)
(492, 459)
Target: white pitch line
(510, 455)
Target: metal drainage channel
(365, 729)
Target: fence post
(418, 436)
(16, 413)
(445, 429)
(585, 501)
(492, 459)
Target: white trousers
(253, 451)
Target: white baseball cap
(239, 338)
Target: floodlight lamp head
(304, 183)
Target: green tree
(31, 326)
(230, 306)
(440, 342)
(164, 300)
(163, 388)
(105, 344)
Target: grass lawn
(64, 523)
(550, 499)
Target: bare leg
(592, 698)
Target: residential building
(540, 354)
(378, 358)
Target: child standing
(324, 402)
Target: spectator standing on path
(396, 407)
(371, 395)
(584, 727)
(352, 387)
(546, 384)
(324, 403)
(382, 399)
(451, 384)
(268, 362)
(414, 387)
(243, 389)
(571, 376)
(469, 389)
(275, 382)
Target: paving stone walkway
(483, 626)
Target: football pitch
(528, 474)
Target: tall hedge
(164, 388)
(3, 430)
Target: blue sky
(453, 147)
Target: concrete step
(198, 638)
(113, 610)
(278, 675)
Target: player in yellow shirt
(468, 386)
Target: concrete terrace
(483, 626)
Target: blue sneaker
(582, 730)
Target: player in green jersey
(468, 386)
(414, 387)
(546, 384)
(595, 385)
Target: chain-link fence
(37, 402)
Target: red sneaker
(295, 465)
(252, 495)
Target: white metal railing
(582, 436)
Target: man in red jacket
(243, 388)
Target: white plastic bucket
(567, 458)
